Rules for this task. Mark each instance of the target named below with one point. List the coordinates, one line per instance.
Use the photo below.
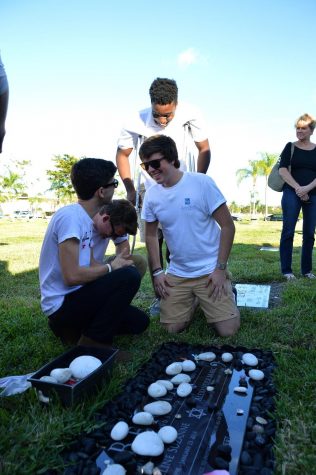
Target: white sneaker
(289, 276)
(309, 275)
(154, 309)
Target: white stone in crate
(61, 374)
(83, 365)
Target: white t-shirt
(185, 128)
(185, 214)
(68, 222)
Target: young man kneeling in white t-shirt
(199, 233)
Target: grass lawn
(32, 435)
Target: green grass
(32, 436)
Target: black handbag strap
(292, 151)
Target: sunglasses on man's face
(155, 164)
(114, 184)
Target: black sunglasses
(155, 164)
(114, 183)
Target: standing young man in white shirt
(167, 117)
(199, 232)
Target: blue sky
(77, 68)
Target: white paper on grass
(253, 295)
(271, 249)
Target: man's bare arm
(73, 273)
(204, 156)
(217, 279)
(124, 169)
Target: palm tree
(11, 184)
(265, 166)
(253, 171)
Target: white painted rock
(148, 468)
(227, 357)
(119, 431)
(240, 389)
(158, 408)
(188, 365)
(84, 365)
(48, 379)
(143, 418)
(168, 434)
(249, 359)
(207, 356)
(61, 374)
(180, 378)
(174, 368)
(184, 389)
(114, 469)
(256, 374)
(148, 443)
(166, 383)
(157, 390)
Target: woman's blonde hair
(308, 120)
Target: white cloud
(188, 57)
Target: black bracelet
(155, 270)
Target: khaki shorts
(177, 307)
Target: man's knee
(142, 323)
(174, 327)
(227, 327)
(132, 274)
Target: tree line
(13, 185)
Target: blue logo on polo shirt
(187, 201)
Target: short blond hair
(308, 120)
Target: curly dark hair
(122, 213)
(160, 144)
(163, 91)
(89, 174)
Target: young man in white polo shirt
(199, 232)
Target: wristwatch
(221, 265)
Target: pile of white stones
(79, 369)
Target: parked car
(22, 214)
(236, 217)
(274, 217)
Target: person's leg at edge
(291, 205)
(4, 100)
(309, 225)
